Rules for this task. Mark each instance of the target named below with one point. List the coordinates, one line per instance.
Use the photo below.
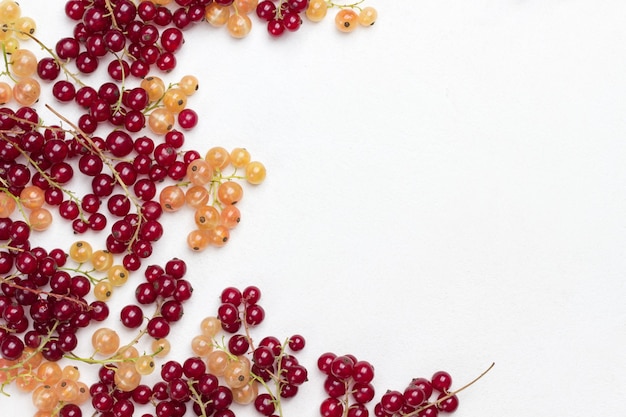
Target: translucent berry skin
(449, 404)
(414, 396)
(346, 20)
(357, 410)
(231, 295)
(424, 384)
(251, 294)
(429, 412)
(335, 387)
(296, 342)
(392, 401)
(263, 357)
(131, 316)
(324, 361)
(363, 392)
(188, 119)
(11, 347)
(275, 27)
(363, 372)
(172, 39)
(441, 381)
(264, 404)
(341, 367)
(228, 314)
(266, 10)
(331, 407)
(292, 21)
(255, 172)
(368, 16)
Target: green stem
(83, 137)
(197, 398)
(354, 5)
(55, 57)
(54, 184)
(34, 352)
(18, 203)
(87, 274)
(7, 72)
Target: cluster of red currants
(348, 384)
(42, 305)
(349, 387)
(281, 17)
(133, 37)
(416, 400)
(232, 371)
(165, 286)
(273, 364)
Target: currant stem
(107, 4)
(18, 203)
(246, 327)
(87, 274)
(118, 104)
(346, 400)
(275, 376)
(275, 396)
(54, 184)
(279, 10)
(197, 399)
(157, 103)
(34, 352)
(82, 136)
(6, 64)
(345, 6)
(13, 248)
(9, 281)
(54, 56)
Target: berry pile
(109, 175)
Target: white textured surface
(445, 189)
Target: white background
(445, 190)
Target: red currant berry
(172, 39)
(131, 316)
(275, 27)
(231, 295)
(449, 404)
(266, 10)
(363, 372)
(441, 381)
(341, 367)
(392, 401)
(331, 407)
(264, 404)
(158, 327)
(296, 342)
(187, 119)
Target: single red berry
(441, 381)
